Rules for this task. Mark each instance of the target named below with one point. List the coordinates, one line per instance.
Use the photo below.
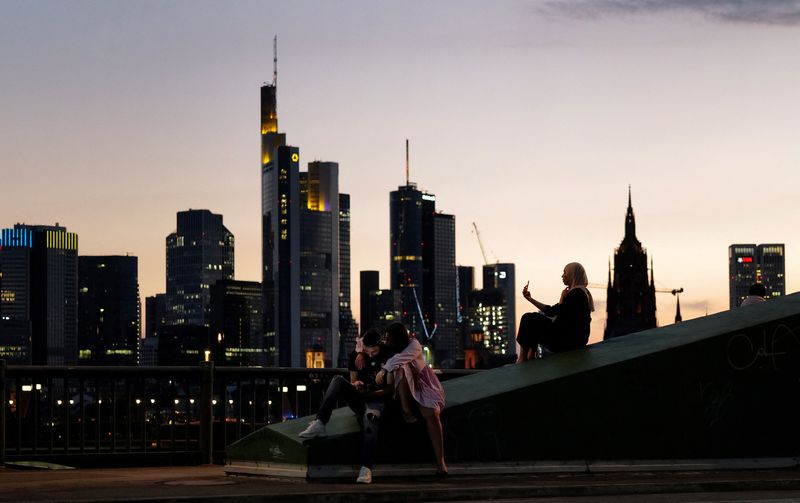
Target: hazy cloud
(771, 12)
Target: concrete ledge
(328, 472)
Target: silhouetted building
(379, 308)
(276, 223)
(237, 333)
(39, 267)
(177, 345)
(155, 308)
(108, 310)
(369, 282)
(15, 323)
(423, 269)
(503, 276)
(148, 352)
(466, 285)
(348, 328)
(631, 301)
(300, 246)
(750, 263)
(199, 253)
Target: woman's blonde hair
(576, 278)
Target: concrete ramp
(723, 390)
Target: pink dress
(422, 381)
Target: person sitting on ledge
(756, 295)
(415, 383)
(363, 395)
(564, 326)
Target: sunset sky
(529, 118)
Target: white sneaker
(364, 476)
(316, 429)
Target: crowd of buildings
(60, 308)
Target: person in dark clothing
(562, 327)
(363, 396)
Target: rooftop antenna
(275, 61)
(406, 161)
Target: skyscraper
(348, 328)
(274, 240)
(750, 263)
(300, 246)
(302, 257)
(236, 331)
(155, 314)
(369, 282)
(39, 267)
(199, 253)
(631, 305)
(503, 277)
(423, 269)
(379, 307)
(489, 313)
(109, 311)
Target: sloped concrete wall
(722, 386)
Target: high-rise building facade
(199, 253)
(631, 301)
(489, 312)
(466, 285)
(503, 277)
(109, 310)
(39, 297)
(300, 247)
(751, 263)
(447, 344)
(155, 308)
(422, 257)
(348, 328)
(379, 308)
(236, 331)
(405, 214)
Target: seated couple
(382, 369)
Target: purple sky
(529, 118)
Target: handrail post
(3, 412)
(207, 413)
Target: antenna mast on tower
(275, 61)
(406, 161)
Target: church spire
(630, 220)
(678, 317)
(629, 242)
(652, 281)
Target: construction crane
(674, 291)
(480, 243)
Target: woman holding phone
(562, 327)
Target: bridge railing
(130, 415)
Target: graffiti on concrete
(776, 351)
(714, 397)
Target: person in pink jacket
(413, 378)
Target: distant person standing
(756, 295)
(562, 327)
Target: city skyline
(685, 106)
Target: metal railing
(131, 415)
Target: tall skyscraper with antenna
(423, 250)
(301, 248)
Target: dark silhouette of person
(562, 327)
